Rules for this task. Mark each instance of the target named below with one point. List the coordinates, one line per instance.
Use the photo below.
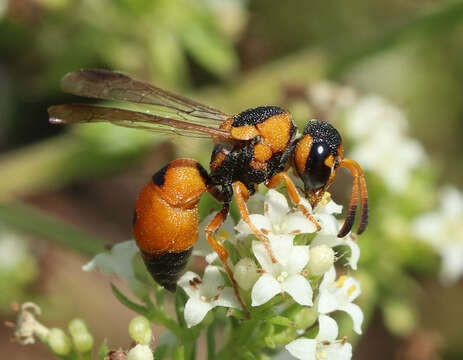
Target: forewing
(79, 113)
(110, 85)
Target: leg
(241, 196)
(358, 185)
(293, 194)
(216, 222)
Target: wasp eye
(316, 172)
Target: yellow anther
(351, 289)
(326, 198)
(223, 235)
(342, 279)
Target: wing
(77, 113)
(109, 85)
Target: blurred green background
(66, 192)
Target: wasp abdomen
(166, 268)
(165, 224)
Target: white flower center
(282, 277)
(279, 228)
(321, 354)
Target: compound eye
(317, 173)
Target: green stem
(28, 219)
(210, 342)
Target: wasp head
(317, 156)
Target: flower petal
(328, 278)
(212, 281)
(227, 298)
(352, 289)
(259, 221)
(329, 224)
(276, 206)
(196, 310)
(327, 302)
(332, 208)
(303, 348)
(282, 246)
(263, 257)
(184, 282)
(299, 288)
(337, 351)
(297, 223)
(354, 253)
(298, 259)
(328, 328)
(264, 289)
(326, 239)
(356, 314)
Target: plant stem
(28, 219)
(211, 341)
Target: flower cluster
(304, 274)
(443, 230)
(378, 129)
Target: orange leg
(293, 194)
(216, 222)
(359, 184)
(242, 195)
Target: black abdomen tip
(167, 268)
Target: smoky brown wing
(110, 85)
(81, 113)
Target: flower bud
(305, 317)
(59, 342)
(246, 273)
(321, 259)
(140, 330)
(82, 339)
(76, 326)
(140, 352)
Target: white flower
(324, 213)
(279, 278)
(279, 224)
(383, 147)
(328, 96)
(338, 295)
(372, 112)
(443, 230)
(321, 259)
(332, 240)
(119, 261)
(324, 346)
(205, 294)
(13, 250)
(140, 352)
(224, 233)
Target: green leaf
(282, 321)
(128, 303)
(180, 300)
(209, 49)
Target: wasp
(258, 145)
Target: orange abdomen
(160, 227)
(165, 223)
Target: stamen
(341, 281)
(351, 289)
